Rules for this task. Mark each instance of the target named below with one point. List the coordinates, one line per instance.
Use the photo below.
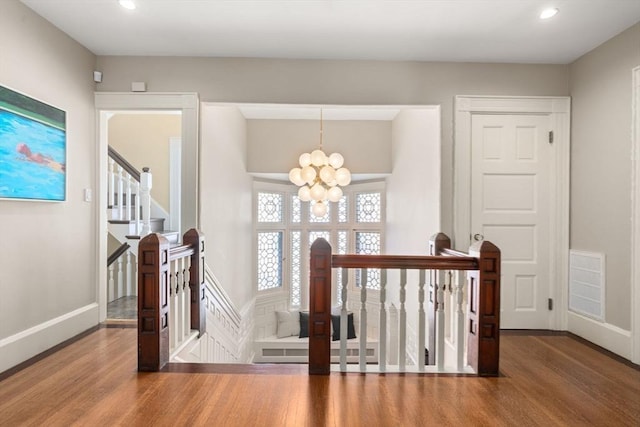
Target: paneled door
(511, 173)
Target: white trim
(635, 218)
(558, 108)
(605, 335)
(33, 341)
(175, 191)
(108, 102)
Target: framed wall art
(33, 148)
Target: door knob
(478, 237)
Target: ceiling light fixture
(127, 4)
(549, 13)
(320, 178)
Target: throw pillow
(304, 324)
(351, 330)
(288, 324)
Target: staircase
(132, 214)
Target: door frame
(105, 104)
(635, 217)
(558, 109)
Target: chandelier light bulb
(319, 209)
(336, 160)
(343, 177)
(318, 192)
(318, 158)
(304, 194)
(308, 174)
(334, 194)
(296, 177)
(327, 174)
(304, 160)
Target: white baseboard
(24, 345)
(605, 335)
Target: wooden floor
(547, 381)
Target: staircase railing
(171, 297)
(480, 321)
(121, 279)
(129, 196)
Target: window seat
(296, 350)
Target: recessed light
(127, 4)
(549, 13)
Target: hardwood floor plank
(548, 380)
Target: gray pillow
(288, 323)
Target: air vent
(587, 284)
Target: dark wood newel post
(195, 239)
(437, 243)
(320, 308)
(483, 347)
(153, 303)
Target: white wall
(275, 145)
(143, 139)
(338, 82)
(413, 196)
(225, 200)
(600, 163)
(48, 287)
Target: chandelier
(320, 178)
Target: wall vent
(587, 284)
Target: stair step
(172, 236)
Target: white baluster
(343, 315)
(441, 285)
(121, 288)
(146, 183)
(136, 206)
(127, 202)
(363, 320)
(173, 307)
(119, 195)
(421, 321)
(460, 323)
(135, 276)
(129, 278)
(111, 183)
(402, 362)
(186, 290)
(180, 299)
(382, 340)
(111, 285)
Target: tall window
(285, 229)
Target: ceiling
(420, 30)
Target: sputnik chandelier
(320, 178)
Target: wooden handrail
(428, 262)
(181, 251)
(128, 167)
(117, 253)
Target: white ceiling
(423, 30)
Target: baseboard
(605, 335)
(19, 347)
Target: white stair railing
(450, 319)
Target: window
(285, 229)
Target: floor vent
(586, 284)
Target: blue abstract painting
(32, 149)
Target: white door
(510, 178)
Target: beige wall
(143, 139)
(338, 82)
(600, 163)
(225, 200)
(275, 145)
(48, 249)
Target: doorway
(512, 176)
(106, 104)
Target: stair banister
(146, 183)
